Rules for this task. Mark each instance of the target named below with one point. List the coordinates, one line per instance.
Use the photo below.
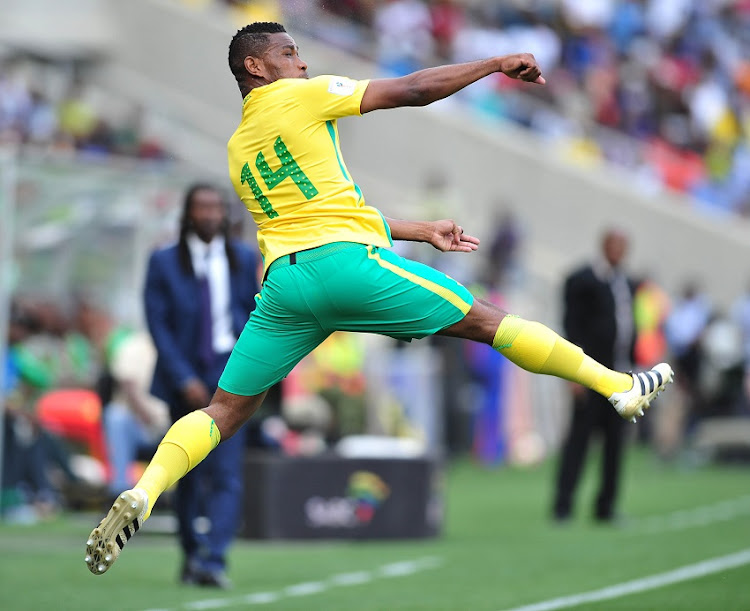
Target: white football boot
(107, 540)
(646, 385)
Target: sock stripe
(507, 332)
(136, 525)
(120, 542)
(643, 385)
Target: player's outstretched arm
(445, 235)
(426, 86)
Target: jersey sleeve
(330, 97)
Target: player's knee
(230, 412)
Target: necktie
(205, 346)
(623, 320)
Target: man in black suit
(199, 294)
(598, 317)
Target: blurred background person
(36, 462)
(199, 294)
(133, 420)
(598, 316)
(404, 35)
(741, 315)
(684, 328)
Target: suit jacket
(173, 314)
(589, 317)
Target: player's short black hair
(251, 40)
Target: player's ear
(254, 66)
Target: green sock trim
(507, 331)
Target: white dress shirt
(210, 260)
(618, 284)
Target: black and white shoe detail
(646, 385)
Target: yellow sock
(538, 349)
(186, 443)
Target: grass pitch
(498, 551)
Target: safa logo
(366, 491)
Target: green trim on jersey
(332, 134)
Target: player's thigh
(378, 291)
(268, 349)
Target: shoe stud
(90, 542)
(87, 559)
(101, 568)
(108, 558)
(134, 505)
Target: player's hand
(522, 66)
(447, 236)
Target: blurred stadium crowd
(660, 87)
(49, 107)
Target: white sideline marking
(305, 589)
(351, 579)
(685, 573)
(690, 518)
(212, 603)
(308, 588)
(260, 598)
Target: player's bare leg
(186, 444)
(538, 349)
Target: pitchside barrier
(331, 497)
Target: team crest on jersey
(341, 86)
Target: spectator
(504, 247)
(447, 18)
(134, 421)
(31, 453)
(198, 296)
(741, 316)
(598, 316)
(403, 29)
(684, 327)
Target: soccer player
(327, 261)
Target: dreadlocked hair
(251, 40)
(183, 251)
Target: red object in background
(678, 169)
(447, 20)
(74, 414)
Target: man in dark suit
(599, 318)
(199, 294)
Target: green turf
(498, 551)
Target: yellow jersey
(285, 164)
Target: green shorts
(337, 287)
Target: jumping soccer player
(327, 261)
